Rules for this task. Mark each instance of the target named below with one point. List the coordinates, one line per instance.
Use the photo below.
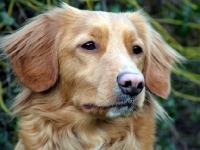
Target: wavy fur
(69, 93)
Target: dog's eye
(137, 50)
(89, 46)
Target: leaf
(7, 19)
(2, 105)
(195, 78)
(185, 96)
(178, 22)
(190, 4)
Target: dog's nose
(130, 83)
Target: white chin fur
(120, 112)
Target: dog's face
(92, 59)
(104, 48)
(102, 63)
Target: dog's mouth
(92, 106)
(111, 111)
(122, 106)
(128, 105)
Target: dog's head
(101, 63)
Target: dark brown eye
(89, 46)
(137, 50)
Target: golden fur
(69, 92)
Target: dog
(89, 80)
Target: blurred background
(178, 21)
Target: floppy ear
(33, 52)
(158, 65)
(160, 57)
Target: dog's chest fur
(69, 129)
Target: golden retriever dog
(88, 80)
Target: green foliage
(177, 21)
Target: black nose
(130, 83)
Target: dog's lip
(120, 105)
(117, 105)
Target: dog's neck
(78, 130)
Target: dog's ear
(158, 65)
(33, 52)
(160, 57)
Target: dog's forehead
(113, 20)
(84, 25)
(105, 23)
